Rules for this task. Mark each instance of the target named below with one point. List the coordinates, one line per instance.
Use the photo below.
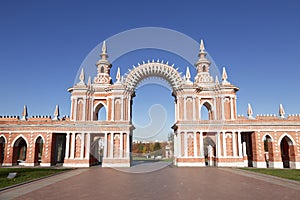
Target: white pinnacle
(81, 77)
(118, 76)
(202, 48)
(224, 76)
(56, 113)
(281, 111)
(250, 112)
(104, 49)
(24, 113)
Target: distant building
(81, 140)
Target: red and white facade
(223, 139)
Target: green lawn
(292, 174)
(24, 174)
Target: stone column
(84, 109)
(105, 145)
(179, 145)
(223, 112)
(195, 145)
(194, 109)
(73, 145)
(67, 151)
(240, 144)
(201, 145)
(122, 109)
(218, 145)
(231, 108)
(75, 109)
(112, 109)
(111, 145)
(185, 145)
(88, 146)
(234, 144)
(121, 145)
(224, 144)
(127, 145)
(82, 146)
(175, 145)
(184, 108)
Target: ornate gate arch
(153, 69)
(117, 129)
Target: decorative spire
(103, 68)
(202, 53)
(249, 111)
(202, 48)
(202, 66)
(24, 113)
(89, 81)
(217, 81)
(281, 111)
(56, 113)
(224, 76)
(104, 55)
(118, 76)
(188, 75)
(81, 77)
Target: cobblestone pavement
(166, 183)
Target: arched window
(2, 149)
(20, 149)
(100, 113)
(39, 149)
(205, 112)
(102, 69)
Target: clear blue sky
(42, 45)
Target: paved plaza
(165, 183)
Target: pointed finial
(188, 75)
(104, 49)
(56, 113)
(118, 76)
(217, 81)
(202, 48)
(281, 111)
(249, 111)
(81, 77)
(104, 55)
(224, 76)
(24, 113)
(89, 80)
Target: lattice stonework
(150, 69)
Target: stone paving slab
(36, 185)
(167, 183)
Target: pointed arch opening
(19, 151)
(100, 113)
(209, 150)
(2, 149)
(39, 144)
(287, 151)
(97, 149)
(206, 111)
(268, 149)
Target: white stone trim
(5, 140)
(290, 137)
(259, 164)
(276, 165)
(295, 165)
(45, 164)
